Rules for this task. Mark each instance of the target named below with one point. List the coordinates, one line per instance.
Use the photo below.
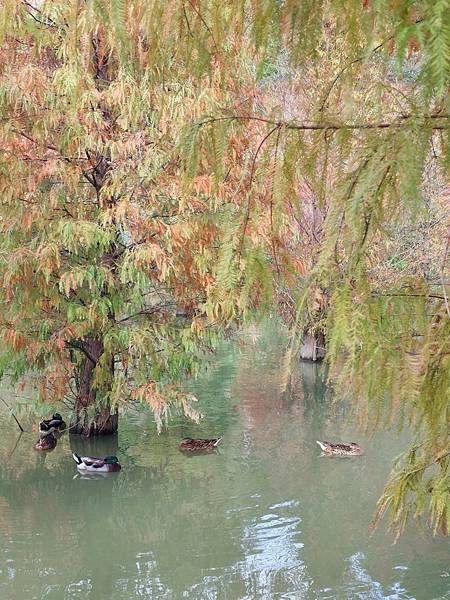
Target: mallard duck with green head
(199, 445)
(344, 449)
(90, 464)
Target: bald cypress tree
(208, 158)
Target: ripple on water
(272, 542)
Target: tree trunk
(313, 346)
(91, 419)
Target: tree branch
(82, 349)
(147, 311)
(320, 126)
(252, 172)
(13, 415)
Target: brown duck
(47, 427)
(351, 449)
(192, 445)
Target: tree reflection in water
(263, 518)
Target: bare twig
(207, 27)
(443, 268)
(252, 172)
(145, 312)
(46, 23)
(274, 249)
(322, 126)
(387, 294)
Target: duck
(56, 422)
(91, 464)
(344, 449)
(46, 441)
(196, 445)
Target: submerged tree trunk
(101, 422)
(313, 346)
(91, 419)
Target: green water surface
(266, 517)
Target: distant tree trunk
(89, 419)
(313, 346)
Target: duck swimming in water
(197, 445)
(47, 428)
(351, 449)
(108, 464)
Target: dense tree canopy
(169, 169)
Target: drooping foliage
(206, 158)
(106, 254)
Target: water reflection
(272, 551)
(265, 517)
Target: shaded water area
(266, 517)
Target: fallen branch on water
(13, 415)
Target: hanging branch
(274, 249)
(252, 172)
(207, 27)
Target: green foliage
(151, 166)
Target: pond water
(264, 518)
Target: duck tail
(322, 445)
(76, 458)
(217, 442)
